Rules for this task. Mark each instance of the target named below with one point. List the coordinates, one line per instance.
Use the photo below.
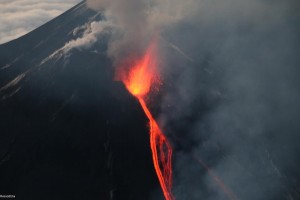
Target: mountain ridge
(69, 131)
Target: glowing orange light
(139, 80)
(143, 75)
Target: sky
(18, 17)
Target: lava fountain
(139, 80)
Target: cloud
(18, 17)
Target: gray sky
(18, 17)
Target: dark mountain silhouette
(68, 131)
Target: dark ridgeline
(67, 130)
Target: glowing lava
(139, 80)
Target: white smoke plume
(92, 32)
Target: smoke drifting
(136, 22)
(234, 103)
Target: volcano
(68, 131)
(137, 100)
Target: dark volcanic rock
(68, 131)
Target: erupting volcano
(139, 80)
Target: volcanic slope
(68, 131)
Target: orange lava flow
(138, 81)
(161, 155)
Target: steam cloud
(235, 103)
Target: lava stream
(158, 139)
(139, 80)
